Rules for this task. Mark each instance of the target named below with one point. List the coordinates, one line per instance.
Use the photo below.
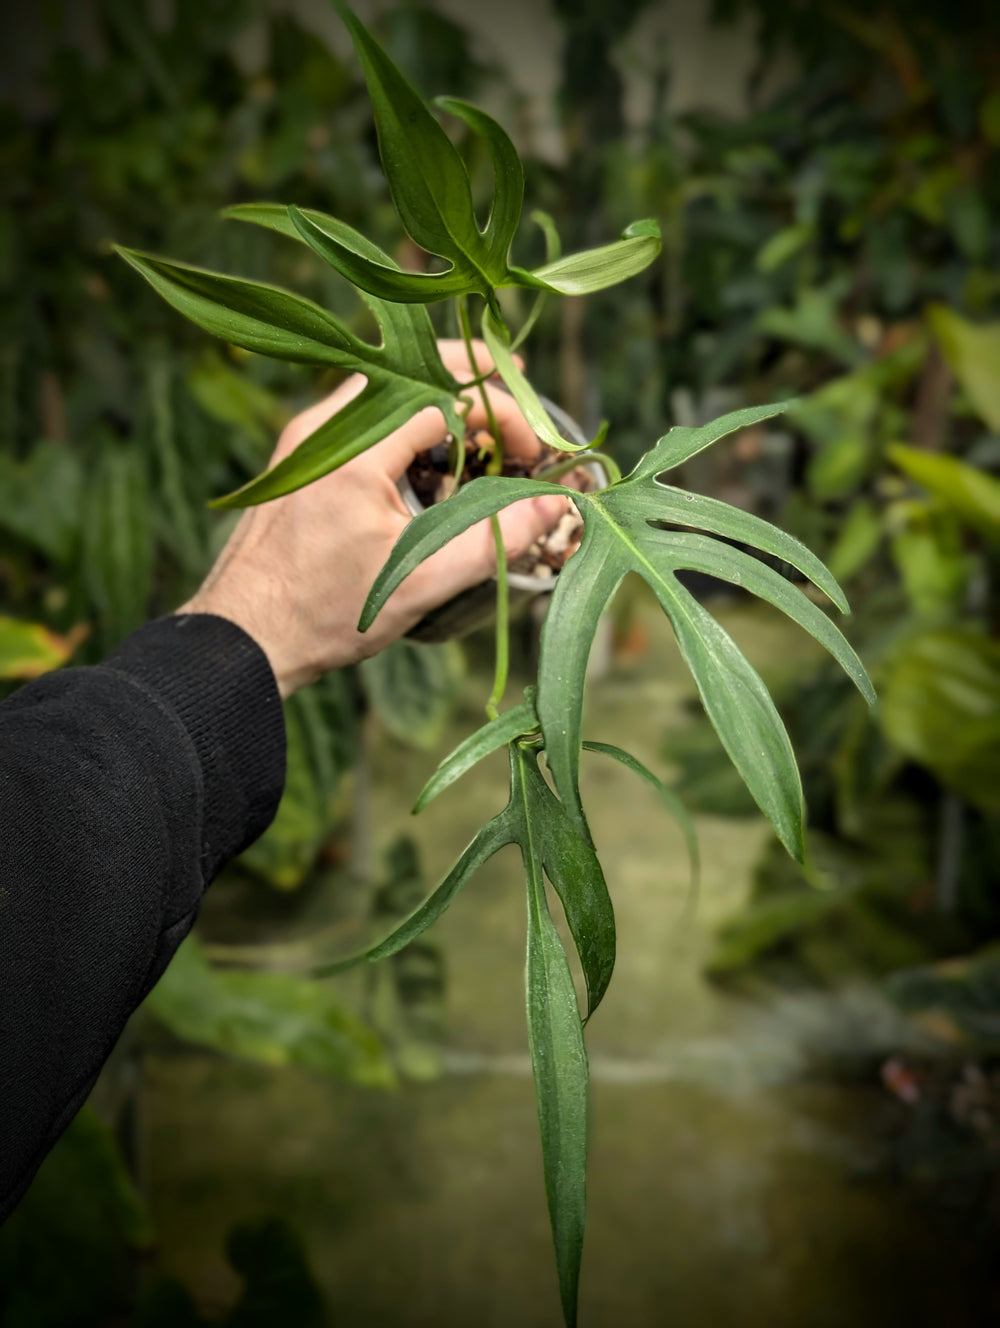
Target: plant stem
(494, 467)
(503, 625)
(581, 459)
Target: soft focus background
(796, 1075)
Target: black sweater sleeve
(123, 790)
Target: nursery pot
(476, 606)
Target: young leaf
(427, 178)
(497, 339)
(595, 269)
(553, 244)
(667, 796)
(553, 249)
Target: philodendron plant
(638, 523)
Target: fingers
(427, 428)
(519, 437)
(393, 454)
(471, 556)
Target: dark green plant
(638, 524)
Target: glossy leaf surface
(257, 317)
(405, 373)
(508, 178)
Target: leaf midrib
(640, 557)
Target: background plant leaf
(969, 492)
(275, 1018)
(973, 352)
(29, 649)
(411, 688)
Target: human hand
(296, 571)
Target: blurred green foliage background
(838, 241)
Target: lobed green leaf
(257, 317)
(700, 554)
(381, 407)
(427, 178)
(664, 503)
(508, 180)
(682, 443)
(341, 246)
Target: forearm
(125, 788)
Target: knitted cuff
(218, 682)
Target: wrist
(288, 674)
